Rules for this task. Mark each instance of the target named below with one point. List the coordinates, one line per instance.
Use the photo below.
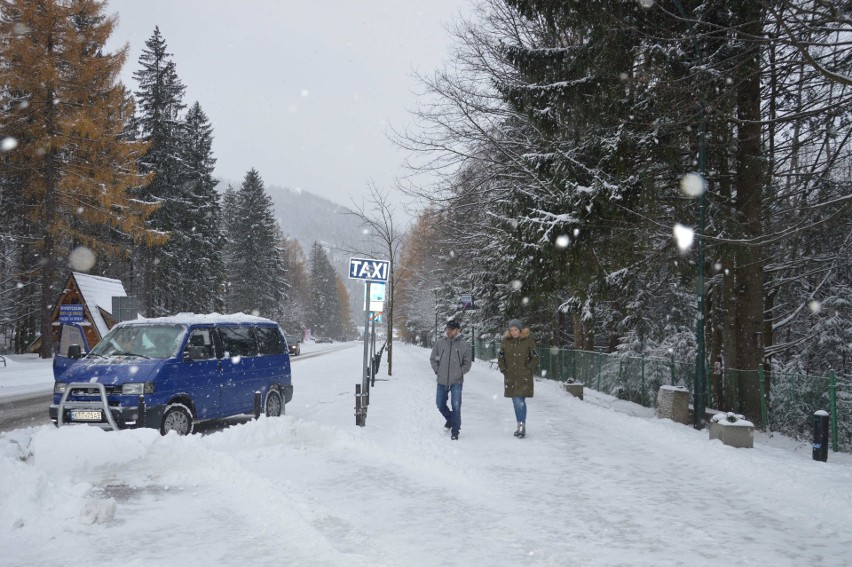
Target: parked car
(323, 340)
(172, 372)
(294, 344)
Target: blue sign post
(370, 271)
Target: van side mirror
(75, 351)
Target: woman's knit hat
(516, 323)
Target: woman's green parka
(517, 361)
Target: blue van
(169, 373)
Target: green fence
(788, 401)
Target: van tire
(177, 418)
(274, 404)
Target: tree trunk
(749, 205)
(48, 250)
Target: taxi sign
(369, 270)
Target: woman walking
(517, 361)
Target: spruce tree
(197, 238)
(160, 102)
(254, 272)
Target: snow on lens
(8, 144)
(82, 259)
(684, 236)
(692, 185)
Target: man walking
(450, 360)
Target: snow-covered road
(596, 482)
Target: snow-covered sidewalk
(592, 484)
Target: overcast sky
(301, 90)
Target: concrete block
(732, 430)
(673, 404)
(574, 388)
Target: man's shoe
(448, 425)
(454, 436)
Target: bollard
(257, 405)
(360, 411)
(366, 391)
(820, 452)
(140, 419)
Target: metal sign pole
(376, 271)
(372, 358)
(365, 366)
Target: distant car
(295, 345)
(323, 340)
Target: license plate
(88, 415)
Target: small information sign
(71, 313)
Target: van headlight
(137, 388)
(59, 387)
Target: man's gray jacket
(451, 360)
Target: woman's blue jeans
(455, 394)
(520, 409)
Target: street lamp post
(436, 314)
(700, 388)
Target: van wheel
(178, 418)
(274, 407)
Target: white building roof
(98, 292)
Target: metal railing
(788, 401)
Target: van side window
(269, 340)
(238, 341)
(203, 340)
(70, 335)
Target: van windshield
(145, 341)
